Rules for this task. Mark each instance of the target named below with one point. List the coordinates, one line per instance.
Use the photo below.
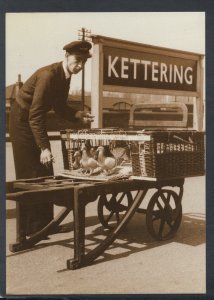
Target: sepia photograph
(105, 153)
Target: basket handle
(159, 123)
(182, 140)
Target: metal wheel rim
(168, 217)
(113, 210)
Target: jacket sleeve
(37, 112)
(62, 109)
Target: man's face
(75, 63)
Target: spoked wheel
(164, 214)
(112, 207)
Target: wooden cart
(116, 206)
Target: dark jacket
(46, 89)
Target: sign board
(145, 70)
(128, 67)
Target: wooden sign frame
(101, 43)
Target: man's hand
(84, 116)
(46, 157)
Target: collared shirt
(67, 75)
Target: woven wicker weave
(164, 154)
(169, 154)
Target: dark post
(83, 76)
(19, 84)
(84, 35)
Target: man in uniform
(46, 89)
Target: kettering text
(132, 68)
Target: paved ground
(135, 264)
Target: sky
(34, 40)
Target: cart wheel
(112, 207)
(164, 214)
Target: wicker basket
(156, 154)
(169, 154)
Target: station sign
(130, 68)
